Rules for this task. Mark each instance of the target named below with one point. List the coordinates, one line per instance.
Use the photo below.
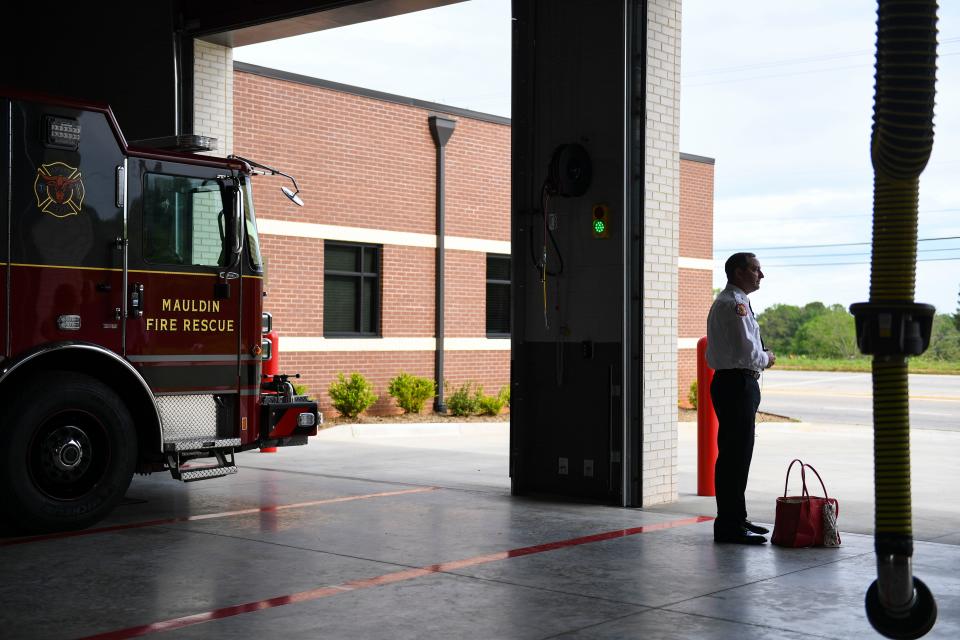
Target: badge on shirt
(741, 310)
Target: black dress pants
(736, 397)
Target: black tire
(68, 448)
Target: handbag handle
(825, 495)
(803, 478)
(786, 483)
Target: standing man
(736, 353)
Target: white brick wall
(661, 250)
(213, 94)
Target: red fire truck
(131, 316)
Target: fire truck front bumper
(291, 422)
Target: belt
(747, 372)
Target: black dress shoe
(741, 536)
(755, 528)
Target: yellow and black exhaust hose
(891, 326)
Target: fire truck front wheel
(68, 451)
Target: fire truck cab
(131, 316)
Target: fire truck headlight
(266, 322)
(266, 349)
(306, 420)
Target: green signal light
(599, 221)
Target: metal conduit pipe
(440, 129)
(891, 326)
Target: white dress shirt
(733, 335)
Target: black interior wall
(121, 54)
(571, 85)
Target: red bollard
(271, 367)
(707, 425)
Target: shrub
(692, 395)
(464, 401)
(411, 391)
(490, 405)
(351, 396)
(493, 405)
(300, 390)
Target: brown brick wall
(696, 295)
(294, 284)
(478, 180)
(408, 297)
(490, 369)
(465, 315)
(364, 162)
(696, 285)
(696, 209)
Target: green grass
(862, 364)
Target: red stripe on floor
(210, 516)
(389, 578)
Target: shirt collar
(736, 289)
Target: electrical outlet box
(563, 467)
(588, 468)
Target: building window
(351, 290)
(498, 296)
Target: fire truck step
(184, 466)
(191, 475)
(194, 444)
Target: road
(846, 398)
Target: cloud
(781, 95)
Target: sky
(780, 94)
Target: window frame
(149, 226)
(361, 276)
(508, 283)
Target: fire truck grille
(188, 417)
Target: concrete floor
(414, 535)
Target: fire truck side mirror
(233, 229)
(232, 244)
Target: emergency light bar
(187, 143)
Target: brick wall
(696, 207)
(466, 294)
(661, 252)
(366, 168)
(409, 298)
(489, 369)
(294, 283)
(364, 162)
(213, 94)
(696, 264)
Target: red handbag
(800, 520)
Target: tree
(829, 334)
(956, 316)
(944, 339)
(811, 310)
(778, 326)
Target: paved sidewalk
(843, 455)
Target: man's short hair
(739, 260)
